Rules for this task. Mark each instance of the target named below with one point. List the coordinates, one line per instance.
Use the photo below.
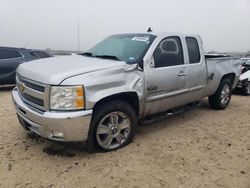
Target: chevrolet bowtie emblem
(21, 87)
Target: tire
(221, 99)
(113, 120)
(246, 89)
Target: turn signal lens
(79, 92)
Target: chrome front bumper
(59, 126)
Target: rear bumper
(59, 126)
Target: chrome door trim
(166, 95)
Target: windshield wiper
(87, 54)
(108, 57)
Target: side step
(163, 115)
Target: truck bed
(219, 65)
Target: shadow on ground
(6, 88)
(71, 149)
(63, 149)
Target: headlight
(67, 98)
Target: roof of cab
(161, 34)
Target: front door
(9, 61)
(166, 77)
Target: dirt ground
(197, 148)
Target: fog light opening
(55, 134)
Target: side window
(9, 54)
(40, 54)
(169, 53)
(193, 50)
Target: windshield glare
(129, 48)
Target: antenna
(78, 37)
(26, 43)
(149, 30)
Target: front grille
(33, 93)
(31, 85)
(33, 99)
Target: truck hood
(56, 69)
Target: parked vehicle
(100, 96)
(10, 58)
(246, 63)
(243, 86)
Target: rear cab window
(9, 54)
(193, 50)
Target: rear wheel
(222, 97)
(112, 127)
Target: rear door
(166, 77)
(9, 60)
(197, 70)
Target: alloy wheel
(225, 94)
(113, 130)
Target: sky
(224, 25)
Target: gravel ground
(197, 148)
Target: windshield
(130, 48)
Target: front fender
(102, 84)
(135, 86)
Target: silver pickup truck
(100, 95)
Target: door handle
(182, 74)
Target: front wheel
(221, 99)
(112, 127)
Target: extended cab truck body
(100, 95)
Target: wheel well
(230, 76)
(130, 97)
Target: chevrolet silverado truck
(99, 96)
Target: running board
(163, 115)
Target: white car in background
(244, 82)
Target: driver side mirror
(140, 65)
